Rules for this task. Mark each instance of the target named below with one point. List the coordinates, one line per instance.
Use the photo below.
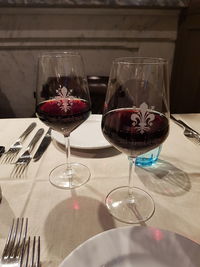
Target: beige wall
(100, 34)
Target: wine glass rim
(140, 60)
(60, 54)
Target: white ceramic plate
(135, 247)
(87, 136)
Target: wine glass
(135, 120)
(63, 103)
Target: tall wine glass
(135, 120)
(63, 103)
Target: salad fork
(15, 243)
(31, 253)
(17, 145)
(26, 157)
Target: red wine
(63, 114)
(133, 135)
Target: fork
(190, 133)
(17, 145)
(192, 136)
(15, 243)
(31, 253)
(26, 157)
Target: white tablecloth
(64, 219)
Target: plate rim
(93, 117)
(121, 229)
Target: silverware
(26, 157)
(17, 145)
(31, 253)
(43, 146)
(2, 150)
(15, 243)
(183, 124)
(190, 133)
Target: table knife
(43, 146)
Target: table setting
(87, 201)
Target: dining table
(65, 219)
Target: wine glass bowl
(63, 103)
(135, 121)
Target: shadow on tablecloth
(164, 178)
(73, 221)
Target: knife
(43, 146)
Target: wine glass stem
(68, 153)
(131, 174)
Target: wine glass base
(69, 178)
(136, 209)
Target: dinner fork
(26, 157)
(192, 136)
(17, 145)
(31, 253)
(15, 243)
(190, 133)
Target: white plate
(87, 136)
(135, 247)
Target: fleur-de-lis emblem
(142, 121)
(64, 95)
